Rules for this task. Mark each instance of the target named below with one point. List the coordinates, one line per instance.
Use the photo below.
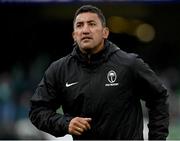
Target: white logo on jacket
(111, 77)
(70, 84)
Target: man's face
(89, 33)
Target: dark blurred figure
(7, 107)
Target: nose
(86, 29)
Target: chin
(84, 47)
(87, 49)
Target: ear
(105, 32)
(73, 35)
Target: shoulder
(59, 64)
(121, 54)
(124, 57)
(133, 60)
(62, 61)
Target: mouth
(86, 38)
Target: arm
(151, 90)
(44, 104)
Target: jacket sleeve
(150, 89)
(45, 102)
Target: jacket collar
(102, 56)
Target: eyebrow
(90, 21)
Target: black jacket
(106, 87)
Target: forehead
(88, 16)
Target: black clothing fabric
(106, 87)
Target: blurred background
(34, 33)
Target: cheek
(76, 36)
(76, 32)
(99, 35)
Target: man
(99, 87)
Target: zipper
(89, 58)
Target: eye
(92, 24)
(78, 25)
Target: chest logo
(111, 77)
(70, 84)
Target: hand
(78, 125)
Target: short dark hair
(91, 9)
